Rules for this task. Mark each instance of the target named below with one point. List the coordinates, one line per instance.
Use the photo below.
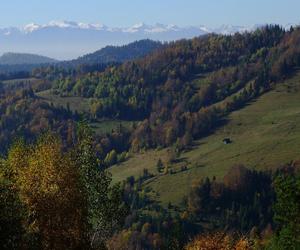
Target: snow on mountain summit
(69, 39)
(139, 27)
(31, 27)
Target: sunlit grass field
(264, 134)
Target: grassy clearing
(82, 105)
(18, 81)
(264, 134)
(137, 163)
(106, 126)
(79, 104)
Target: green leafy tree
(106, 209)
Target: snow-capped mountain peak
(68, 39)
(135, 28)
(139, 27)
(31, 27)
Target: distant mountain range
(68, 40)
(16, 62)
(24, 59)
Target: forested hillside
(159, 111)
(174, 90)
(176, 94)
(120, 54)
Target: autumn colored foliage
(219, 241)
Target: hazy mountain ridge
(68, 40)
(24, 58)
(17, 62)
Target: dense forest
(120, 54)
(184, 90)
(56, 190)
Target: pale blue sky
(211, 13)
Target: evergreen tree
(287, 211)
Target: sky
(121, 13)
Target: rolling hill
(119, 53)
(174, 92)
(24, 59)
(160, 123)
(264, 134)
(21, 62)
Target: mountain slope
(24, 59)
(120, 53)
(264, 134)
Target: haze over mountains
(23, 62)
(67, 40)
(23, 58)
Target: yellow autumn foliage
(49, 187)
(218, 241)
